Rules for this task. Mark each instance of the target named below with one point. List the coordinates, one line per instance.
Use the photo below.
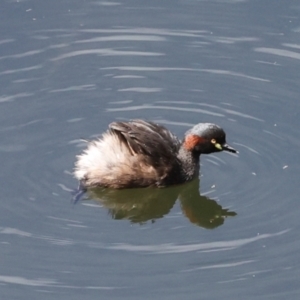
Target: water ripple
(12, 71)
(85, 87)
(142, 107)
(24, 54)
(160, 69)
(213, 246)
(44, 282)
(279, 52)
(141, 90)
(218, 266)
(236, 113)
(118, 38)
(6, 41)
(295, 46)
(155, 31)
(27, 282)
(15, 231)
(105, 52)
(14, 97)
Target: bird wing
(147, 138)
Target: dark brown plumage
(140, 154)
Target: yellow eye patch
(217, 145)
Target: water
(69, 68)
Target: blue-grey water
(69, 68)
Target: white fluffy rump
(108, 161)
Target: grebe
(140, 154)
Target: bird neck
(189, 163)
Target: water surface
(69, 68)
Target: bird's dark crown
(206, 138)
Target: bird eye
(213, 141)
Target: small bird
(141, 154)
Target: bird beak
(226, 147)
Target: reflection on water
(149, 204)
(73, 69)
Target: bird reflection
(201, 210)
(148, 204)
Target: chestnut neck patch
(191, 141)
